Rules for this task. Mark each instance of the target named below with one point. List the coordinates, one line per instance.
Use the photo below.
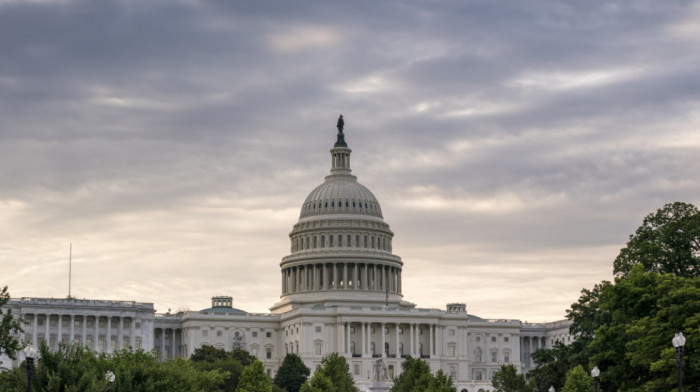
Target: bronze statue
(341, 124)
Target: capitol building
(341, 291)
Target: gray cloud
(513, 146)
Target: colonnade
(302, 242)
(528, 345)
(100, 332)
(171, 350)
(341, 276)
(416, 339)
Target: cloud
(513, 147)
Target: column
(108, 335)
(72, 329)
(398, 354)
(431, 340)
(381, 348)
(365, 281)
(363, 341)
(399, 275)
(355, 276)
(345, 276)
(47, 336)
(347, 339)
(34, 335)
(324, 279)
(376, 277)
(174, 344)
(342, 338)
(411, 327)
(369, 338)
(59, 333)
(83, 324)
(335, 276)
(162, 344)
(120, 337)
(284, 284)
(132, 329)
(96, 337)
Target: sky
(513, 146)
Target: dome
(341, 194)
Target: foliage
(209, 353)
(254, 379)
(416, 377)
(441, 383)
(232, 367)
(292, 374)
(9, 328)
(667, 242)
(73, 368)
(335, 369)
(318, 383)
(507, 379)
(578, 380)
(552, 364)
(242, 356)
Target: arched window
(315, 242)
(340, 241)
(330, 240)
(357, 240)
(372, 242)
(365, 241)
(323, 241)
(349, 241)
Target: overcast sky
(513, 145)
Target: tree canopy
(9, 327)
(335, 369)
(507, 379)
(292, 374)
(625, 327)
(254, 379)
(578, 380)
(667, 242)
(416, 377)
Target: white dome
(341, 194)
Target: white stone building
(341, 291)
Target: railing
(82, 302)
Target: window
(254, 351)
(330, 241)
(356, 369)
(205, 333)
(506, 339)
(352, 330)
(137, 325)
(318, 346)
(323, 241)
(137, 342)
(372, 348)
(269, 372)
(478, 375)
(452, 332)
(219, 333)
(318, 328)
(506, 357)
(76, 323)
(401, 349)
(494, 356)
(451, 349)
(340, 241)
(268, 353)
(268, 334)
(453, 371)
(493, 338)
(478, 339)
(255, 334)
(477, 354)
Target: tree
(209, 353)
(415, 376)
(578, 380)
(292, 374)
(507, 379)
(441, 383)
(335, 368)
(318, 383)
(9, 328)
(254, 379)
(242, 356)
(667, 242)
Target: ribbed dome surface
(341, 194)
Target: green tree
(242, 356)
(254, 379)
(415, 376)
(292, 374)
(335, 368)
(667, 242)
(441, 382)
(9, 328)
(318, 383)
(209, 353)
(230, 366)
(578, 380)
(507, 379)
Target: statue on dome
(341, 124)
